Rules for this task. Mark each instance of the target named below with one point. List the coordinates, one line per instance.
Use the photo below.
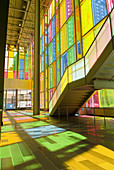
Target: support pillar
(36, 95)
(16, 95)
(3, 30)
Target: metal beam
(20, 10)
(103, 84)
(19, 19)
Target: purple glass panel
(68, 8)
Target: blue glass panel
(79, 48)
(99, 10)
(63, 63)
(10, 106)
(41, 45)
(21, 64)
(21, 75)
(53, 46)
(53, 27)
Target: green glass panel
(26, 65)
(26, 56)
(50, 53)
(50, 76)
(15, 64)
(71, 55)
(58, 71)
(70, 32)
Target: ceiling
(21, 18)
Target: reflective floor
(41, 142)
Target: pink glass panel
(14, 74)
(93, 101)
(50, 94)
(5, 74)
(26, 75)
(110, 5)
(50, 31)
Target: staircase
(93, 72)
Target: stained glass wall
(101, 98)
(68, 29)
(17, 68)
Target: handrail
(80, 68)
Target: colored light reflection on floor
(18, 156)
(33, 124)
(23, 118)
(16, 114)
(61, 140)
(9, 138)
(7, 128)
(43, 131)
(5, 119)
(6, 122)
(98, 157)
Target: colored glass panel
(78, 31)
(50, 76)
(87, 40)
(86, 16)
(57, 17)
(57, 45)
(53, 49)
(71, 55)
(70, 32)
(68, 8)
(50, 56)
(110, 5)
(54, 74)
(99, 10)
(63, 36)
(53, 27)
(42, 81)
(58, 71)
(62, 12)
(106, 98)
(63, 63)
(21, 74)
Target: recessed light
(19, 25)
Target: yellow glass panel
(87, 40)
(63, 39)
(11, 51)
(10, 64)
(53, 7)
(86, 16)
(21, 56)
(62, 13)
(10, 74)
(98, 27)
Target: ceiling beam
(24, 20)
(19, 19)
(20, 10)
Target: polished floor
(40, 142)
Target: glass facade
(68, 29)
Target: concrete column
(3, 30)
(36, 95)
